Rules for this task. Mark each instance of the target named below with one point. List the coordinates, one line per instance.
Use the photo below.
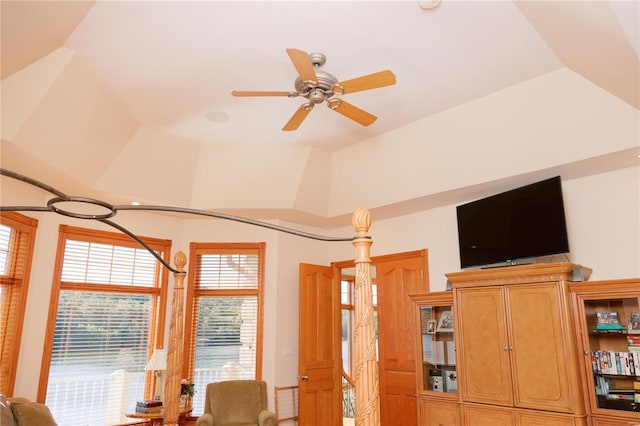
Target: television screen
(521, 223)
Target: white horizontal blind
(5, 238)
(225, 338)
(101, 338)
(228, 271)
(88, 262)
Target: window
(17, 236)
(347, 307)
(107, 308)
(223, 335)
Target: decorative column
(366, 369)
(174, 352)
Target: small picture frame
(446, 321)
(431, 327)
(633, 327)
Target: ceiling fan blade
(298, 117)
(303, 65)
(356, 114)
(241, 93)
(366, 82)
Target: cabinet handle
(303, 377)
(510, 348)
(506, 348)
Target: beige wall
(602, 215)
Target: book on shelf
(149, 410)
(633, 326)
(633, 342)
(621, 396)
(607, 321)
(616, 363)
(149, 403)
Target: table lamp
(158, 363)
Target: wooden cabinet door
(537, 348)
(488, 416)
(483, 374)
(436, 413)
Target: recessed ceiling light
(217, 116)
(428, 4)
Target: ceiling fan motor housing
(326, 83)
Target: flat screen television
(525, 222)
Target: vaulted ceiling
(89, 89)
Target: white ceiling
(173, 64)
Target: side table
(157, 419)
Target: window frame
(159, 292)
(198, 248)
(26, 226)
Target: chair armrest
(205, 420)
(267, 418)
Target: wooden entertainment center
(522, 348)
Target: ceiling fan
(319, 86)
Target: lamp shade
(158, 360)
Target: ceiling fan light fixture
(317, 96)
(319, 86)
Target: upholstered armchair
(237, 402)
(23, 412)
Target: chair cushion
(236, 403)
(27, 413)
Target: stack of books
(149, 406)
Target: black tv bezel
(560, 241)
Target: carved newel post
(366, 370)
(174, 352)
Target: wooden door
(539, 362)
(319, 363)
(397, 277)
(481, 334)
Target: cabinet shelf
(617, 404)
(620, 332)
(616, 375)
(611, 369)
